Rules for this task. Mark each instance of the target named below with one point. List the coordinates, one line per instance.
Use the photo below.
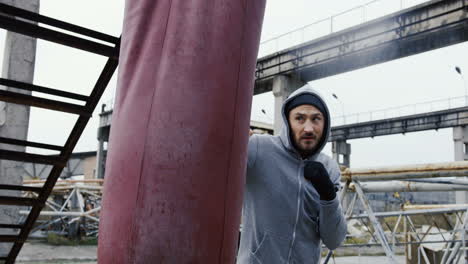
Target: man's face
(306, 123)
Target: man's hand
(250, 132)
(317, 175)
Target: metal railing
(351, 17)
(405, 110)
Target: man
(290, 201)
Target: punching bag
(175, 170)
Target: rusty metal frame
(79, 39)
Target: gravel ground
(364, 260)
(39, 253)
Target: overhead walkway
(428, 26)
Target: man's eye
(299, 118)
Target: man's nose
(308, 127)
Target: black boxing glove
(318, 176)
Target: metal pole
(463, 239)
(411, 212)
(423, 253)
(378, 228)
(404, 186)
(458, 244)
(450, 245)
(436, 170)
(405, 176)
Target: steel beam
(22, 13)
(7, 200)
(42, 89)
(18, 98)
(11, 226)
(20, 188)
(25, 28)
(11, 141)
(32, 158)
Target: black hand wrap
(317, 175)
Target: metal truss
(72, 208)
(414, 227)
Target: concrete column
(460, 140)
(18, 65)
(100, 159)
(283, 86)
(102, 136)
(343, 149)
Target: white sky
(420, 78)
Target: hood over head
(286, 131)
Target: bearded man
(290, 201)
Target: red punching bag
(177, 152)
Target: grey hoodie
(283, 219)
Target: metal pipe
(99, 181)
(413, 212)
(53, 213)
(405, 186)
(400, 243)
(449, 169)
(432, 206)
(442, 180)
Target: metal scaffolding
(72, 208)
(416, 227)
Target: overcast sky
(421, 78)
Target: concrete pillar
(460, 140)
(18, 65)
(100, 160)
(100, 157)
(283, 86)
(343, 149)
(102, 137)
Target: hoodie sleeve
(332, 223)
(252, 150)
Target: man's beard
(305, 152)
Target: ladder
(27, 23)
